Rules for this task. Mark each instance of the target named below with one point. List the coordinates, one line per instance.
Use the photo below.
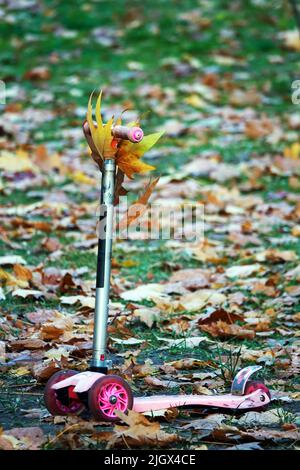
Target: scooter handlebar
(134, 134)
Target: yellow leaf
(16, 163)
(98, 110)
(10, 280)
(293, 151)
(20, 371)
(129, 154)
(195, 101)
(296, 231)
(56, 354)
(22, 273)
(131, 165)
(81, 178)
(129, 263)
(101, 134)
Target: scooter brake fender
(240, 380)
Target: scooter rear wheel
(108, 394)
(63, 401)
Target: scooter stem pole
(99, 361)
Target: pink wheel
(108, 394)
(63, 401)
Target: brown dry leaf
(85, 301)
(22, 439)
(10, 280)
(36, 224)
(29, 343)
(210, 423)
(145, 292)
(191, 342)
(291, 39)
(51, 244)
(45, 161)
(68, 286)
(296, 231)
(7, 442)
(5, 239)
(293, 290)
(243, 270)
(221, 329)
(155, 382)
(37, 73)
(56, 327)
(276, 435)
(277, 256)
(197, 300)
(294, 273)
(256, 129)
(44, 370)
(41, 316)
(188, 363)
(140, 432)
(143, 370)
(201, 390)
(258, 418)
(11, 260)
(22, 273)
(243, 98)
(261, 287)
(138, 208)
(24, 293)
(191, 278)
(219, 314)
(207, 252)
(147, 315)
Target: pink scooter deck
(158, 402)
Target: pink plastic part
(109, 391)
(256, 399)
(134, 134)
(71, 409)
(82, 382)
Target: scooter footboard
(256, 399)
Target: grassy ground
(162, 59)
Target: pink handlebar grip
(134, 134)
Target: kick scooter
(71, 392)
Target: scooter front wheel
(109, 394)
(63, 401)
(254, 385)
